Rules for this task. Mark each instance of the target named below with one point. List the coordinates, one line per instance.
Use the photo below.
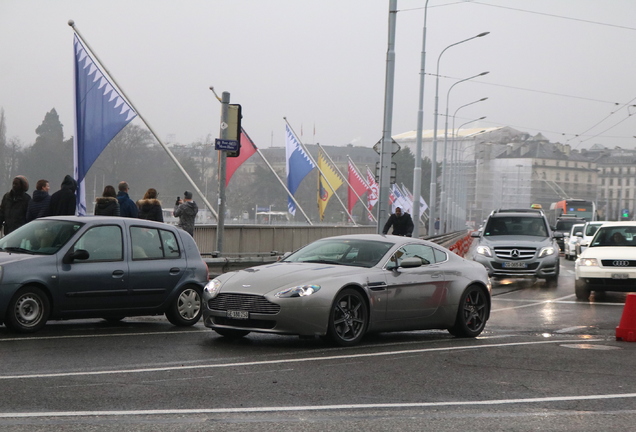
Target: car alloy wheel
(349, 318)
(472, 313)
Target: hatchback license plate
(238, 314)
(513, 264)
(620, 275)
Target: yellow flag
(332, 178)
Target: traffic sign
(395, 147)
(224, 144)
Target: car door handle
(175, 270)
(118, 273)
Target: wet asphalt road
(545, 362)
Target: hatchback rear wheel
(186, 309)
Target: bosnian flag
(100, 113)
(298, 165)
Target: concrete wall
(252, 240)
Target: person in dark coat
(64, 202)
(14, 205)
(41, 201)
(127, 207)
(401, 222)
(107, 204)
(186, 211)
(150, 207)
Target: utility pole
(224, 135)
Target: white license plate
(238, 314)
(620, 275)
(514, 264)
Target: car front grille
(243, 302)
(618, 263)
(521, 252)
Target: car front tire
(186, 309)
(581, 290)
(349, 318)
(472, 313)
(28, 310)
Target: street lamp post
(443, 198)
(433, 193)
(454, 195)
(417, 172)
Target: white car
(588, 232)
(609, 262)
(572, 241)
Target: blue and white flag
(100, 113)
(298, 165)
(401, 200)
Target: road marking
(317, 407)
(283, 361)
(536, 303)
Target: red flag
(248, 148)
(357, 184)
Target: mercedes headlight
(213, 287)
(298, 291)
(546, 251)
(484, 250)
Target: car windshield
(566, 225)
(359, 253)
(39, 237)
(615, 236)
(516, 225)
(591, 229)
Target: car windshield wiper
(323, 261)
(18, 249)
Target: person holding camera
(186, 211)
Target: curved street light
(433, 193)
(443, 198)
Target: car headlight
(213, 287)
(587, 262)
(298, 291)
(546, 251)
(483, 250)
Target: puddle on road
(590, 346)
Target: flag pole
(174, 159)
(321, 173)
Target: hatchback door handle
(175, 270)
(118, 273)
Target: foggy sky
(563, 68)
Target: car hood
(516, 240)
(6, 257)
(610, 252)
(266, 278)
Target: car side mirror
(71, 256)
(411, 262)
(475, 234)
(578, 234)
(557, 235)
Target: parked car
(572, 240)
(98, 267)
(518, 244)
(346, 286)
(588, 232)
(609, 262)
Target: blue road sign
(224, 144)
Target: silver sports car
(345, 286)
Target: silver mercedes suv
(518, 243)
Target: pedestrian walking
(41, 201)
(186, 210)
(127, 207)
(150, 207)
(401, 222)
(64, 201)
(107, 204)
(14, 205)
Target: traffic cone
(626, 330)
